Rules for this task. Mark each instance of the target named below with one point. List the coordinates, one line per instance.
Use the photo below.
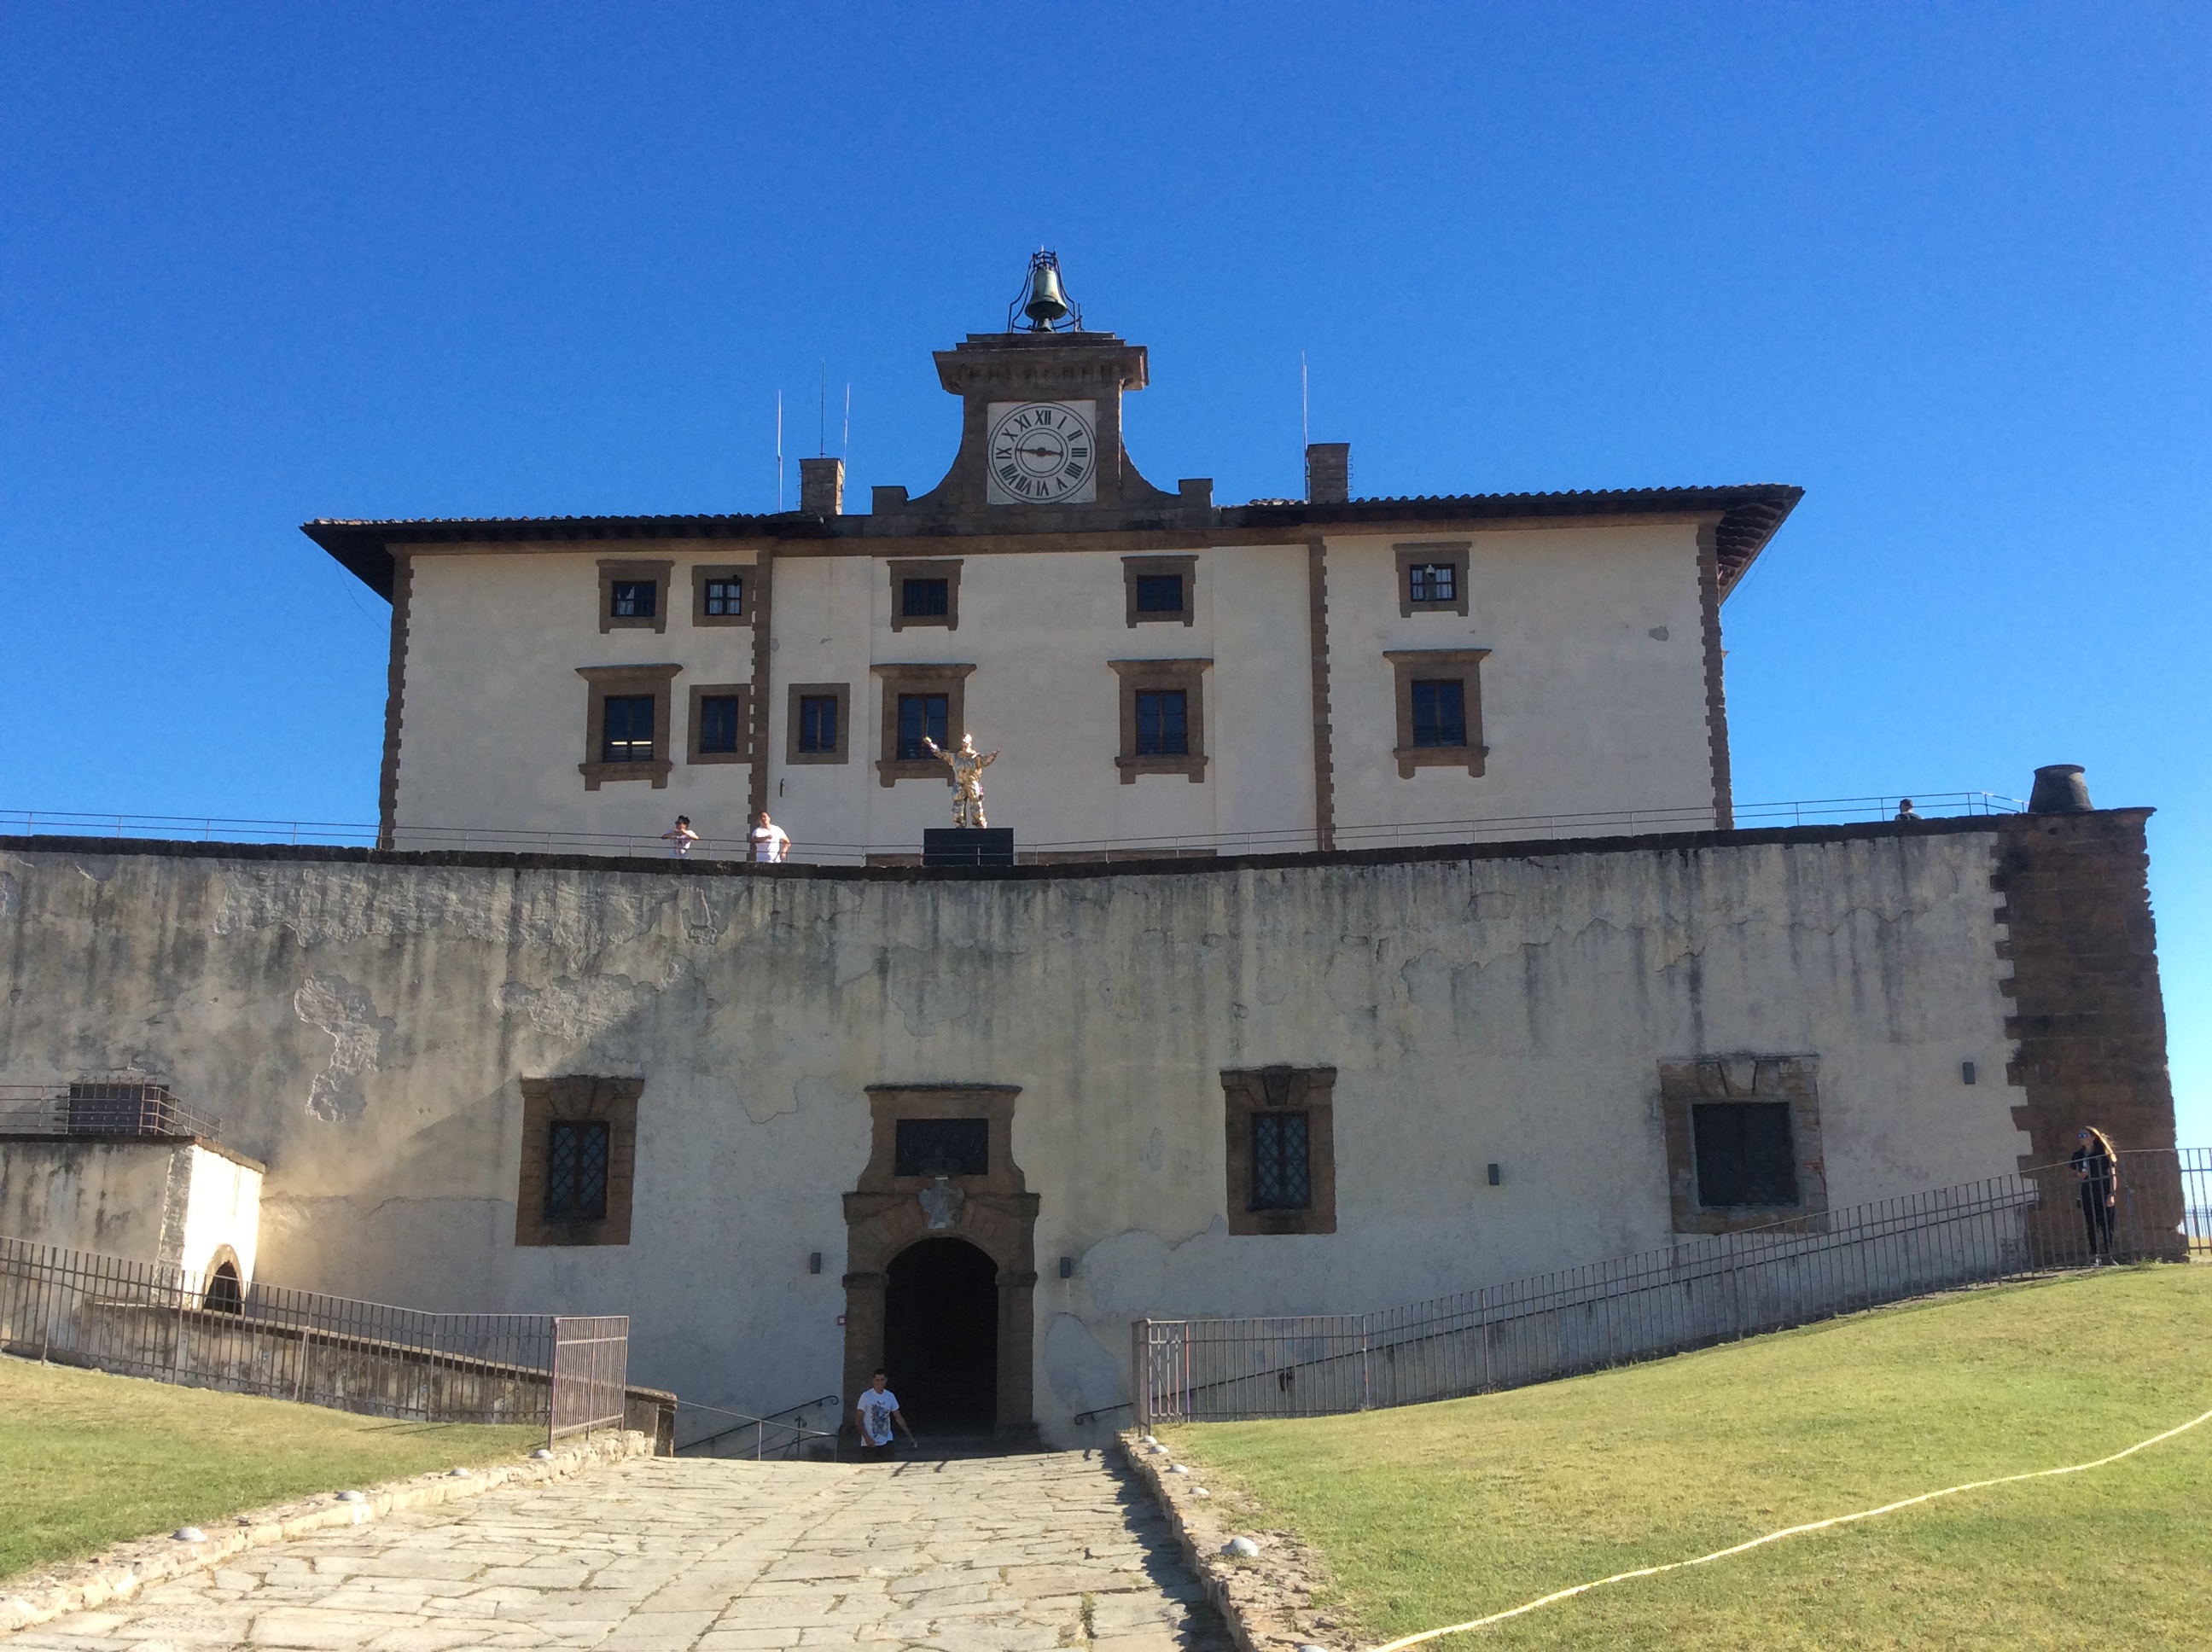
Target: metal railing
(211, 1330)
(1696, 1292)
(1494, 829)
(104, 1108)
(781, 1434)
(591, 1375)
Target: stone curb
(1266, 1603)
(132, 1566)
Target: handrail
(1685, 817)
(762, 1424)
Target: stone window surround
(1791, 1078)
(1438, 665)
(742, 694)
(704, 572)
(1452, 554)
(951, 682)
(946, 568)
(613, 569)
(1186, 675)
(843, 693)
(622, 680)
(1135, 568)
(1310, 1091)
(581, 1096)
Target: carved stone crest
(941, 1204)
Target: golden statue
(967, 767)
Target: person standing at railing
(680, 838)
(2097, 1166)
(878, 1409)
(770, 841)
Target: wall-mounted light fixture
(813, 1261)
(1067, 1268)
(1965, 1072)
(1493, 1175)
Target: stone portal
(941, 1168)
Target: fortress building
(1268, 1023)
(1154, 668)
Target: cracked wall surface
(362, 1024)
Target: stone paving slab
(1006, 1554)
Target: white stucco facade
(170, 1203)
(370, 1026)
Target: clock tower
(1041, 437)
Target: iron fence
(591, 1375)
(1688, 817)
(1698, 1292)
(791, 1432)
(102, 1108)
(212, 1331)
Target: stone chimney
(1328, 472)
(822, 487)
(2059, 790)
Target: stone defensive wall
(1940, 999)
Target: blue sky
(1945, 267)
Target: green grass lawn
(88, 1460)
(1435, 1515)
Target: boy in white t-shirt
(770, 841)
(878, 1409)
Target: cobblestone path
(674, 1555)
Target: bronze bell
(1047, 303)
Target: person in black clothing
(2097, 1166)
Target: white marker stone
(461, 1474)
(1199, 1491)
(353, 1496)
(189, 1534)
(1243, 1547)
(541, 1454)
(1178, 1468)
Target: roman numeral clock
(1042, 452)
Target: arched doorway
(941, 1336)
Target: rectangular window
(920, 716)
(817, 723)
(925, 598)
(629, 737)
(1439, 714)
(1162, 728)
(1431, 582)
(1744, 1154)
(576, 1171)
(726, 599)
(719, 729)
(633, 599)
(1159, 593)
(942, 1147)
(1281, 1176)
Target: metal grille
(1699, 1290)
(576, 1172)
(1744, 1156)
(942, 1147)
(99, 1109)
(591, 1375)
(1281, 1167)
(925, 598)
(205, 1331)
(1159, 593)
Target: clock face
(1042, 452)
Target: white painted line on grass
(1776, 1537)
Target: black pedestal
(969, 845)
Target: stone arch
(224, 1283)
(994, 1211)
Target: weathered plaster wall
(173, 1203)
(364, 1025)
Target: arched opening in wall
(226, 1293)
(941, 1337)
